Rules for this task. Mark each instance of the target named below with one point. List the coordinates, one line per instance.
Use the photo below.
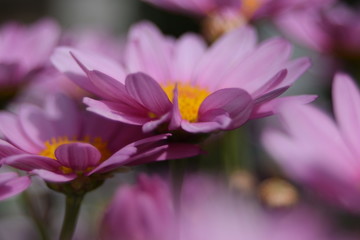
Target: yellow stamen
(54, 143)
(189, 97)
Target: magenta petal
(11, 184)
(64, 115)
(175, 112)
(272, 106)
(346, 106)
(28, 162)
(12, 130)
(78, 156)
(6, 149)
(118, 111)
(148, 92)
(52, 176)
(36, 124)
(152, 125)
(236, 102)
(201, 127)
(271, 84)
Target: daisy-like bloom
(318, 152)
(11, 184)
(183, 85)
(24, 50)
(207, 212)
(326, 30)
(61, 143)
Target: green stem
(33, 213)
(73, 204)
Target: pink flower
(60, 143)
(182, 85)
(318, 152)
(11, 184)
(24, 50)
(206, 212)
(334, 30)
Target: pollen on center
(189, 97)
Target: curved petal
(78, 156)
(13, 131)
(6, 149)
(13, 185)
(52, 176)
(64, 114)
(346, 98)
(119, 111)
(148, 51)
(229, 49)
(236, 102)
(37, 126)
(148, 92)
(28, 162)
(187, 53)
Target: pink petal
(37, 126)
(64, 115)
(203, 127)
(118, 111)
(6, 149)
(176, 118)
(271, 84)
(264, 109)
(148, 92)
(252, 72)
(28, 162)
(148, 51)
(13, 131)
(13, 185)
(346, 99)
(78, 156)
(222, 55)
(236, 102)
(187, 53)
(53, 177)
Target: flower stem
(73, 204)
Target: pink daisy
(61, 143)
(184, 85)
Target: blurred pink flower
(318, 152)
(333, 30)
(206, 212)
(25, 49)
(11, 184)
(61, 142)
(180, 84)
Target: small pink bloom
(11, 184)
(60, 142)
(333, 30)
(24, 50)
(321, 153)
(183, 85)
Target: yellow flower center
(189, 97)
(54, 143)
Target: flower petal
(28, 162)
(148, 92)
(11, 184)
(346, 97)
(78, 156)
(53, 177)
(6, 149)
(13, 131)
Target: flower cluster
(192, 118)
